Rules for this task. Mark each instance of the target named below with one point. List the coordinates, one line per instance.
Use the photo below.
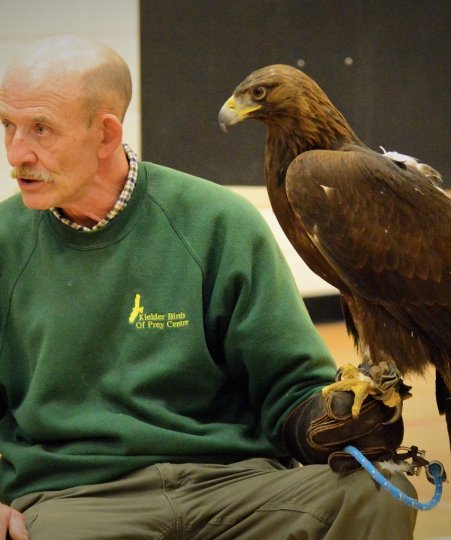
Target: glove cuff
(296, 431)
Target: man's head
(62, 103)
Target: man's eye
(8, 128)
(41, 130)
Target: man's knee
(361, 484)
(375, 504)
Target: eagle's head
(268, 92)
(289, 102)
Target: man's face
(49, 144)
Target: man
(158, 369)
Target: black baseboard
(324, 308)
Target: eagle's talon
(338, 375)
(396, 415)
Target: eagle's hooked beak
(233, 112)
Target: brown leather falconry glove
(318, 430)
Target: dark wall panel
(385, 64)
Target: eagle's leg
(381, 381)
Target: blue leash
(434, 471)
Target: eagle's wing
(385, 229)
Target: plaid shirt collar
(121, 203)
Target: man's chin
(35, 194)
(35, 202)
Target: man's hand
(319, 429)
(12, 524)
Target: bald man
(62, 83)
(158, 369)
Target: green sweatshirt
(175, 333)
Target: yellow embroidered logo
(137, 309)
(142, 320)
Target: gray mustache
(31, 174)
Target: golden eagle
(377, 226)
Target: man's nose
(19, 151)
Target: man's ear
(110, 134)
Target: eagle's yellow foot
(351, 379)
(382, 381)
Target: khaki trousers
(256, 499)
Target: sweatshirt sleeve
(257, 322)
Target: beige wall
(115, 22)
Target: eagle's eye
(259, 92)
